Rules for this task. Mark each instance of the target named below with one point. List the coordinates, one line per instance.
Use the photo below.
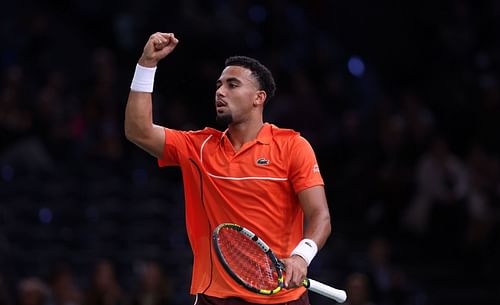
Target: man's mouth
(220, 103)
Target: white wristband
(306, 249)
(143, 80)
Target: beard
(224, 119)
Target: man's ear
(260, 98)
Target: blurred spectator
(358, 290)
(104, 289)
(55, 109)
(19, 146)
(390, 283)
(16, 116)
(442, 186)
(419, 123)
(154, 287)
(483, 170)
(64, 290)
(102, 113)
(32, 291)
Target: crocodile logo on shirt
(262, 161)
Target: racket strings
(247, 260)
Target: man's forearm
(318, 228)
(138, 115)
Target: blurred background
(400, 100)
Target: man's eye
(232, 85)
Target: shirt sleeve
(303, 168)
(176, 145)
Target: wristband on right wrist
(143, 80)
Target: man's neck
(242, 133)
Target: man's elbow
(129, 134)
(146, 139)
(135, 132)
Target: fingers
(162, 40)
(293, 279)
(296, 271)
(290, 279)
(157, 47)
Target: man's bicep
(316, 213)
(313, 200)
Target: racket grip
(338, 295)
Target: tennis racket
(251, 263)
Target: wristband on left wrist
(307, 249)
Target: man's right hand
(158, 47)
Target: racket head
(247, 259)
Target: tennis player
(253, 174)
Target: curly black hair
(261, 73)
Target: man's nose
(220, 91)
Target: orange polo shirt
(255, 187)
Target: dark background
(400, 100)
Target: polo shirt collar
(264, 136)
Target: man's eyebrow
(229, 79)
(233, 79)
